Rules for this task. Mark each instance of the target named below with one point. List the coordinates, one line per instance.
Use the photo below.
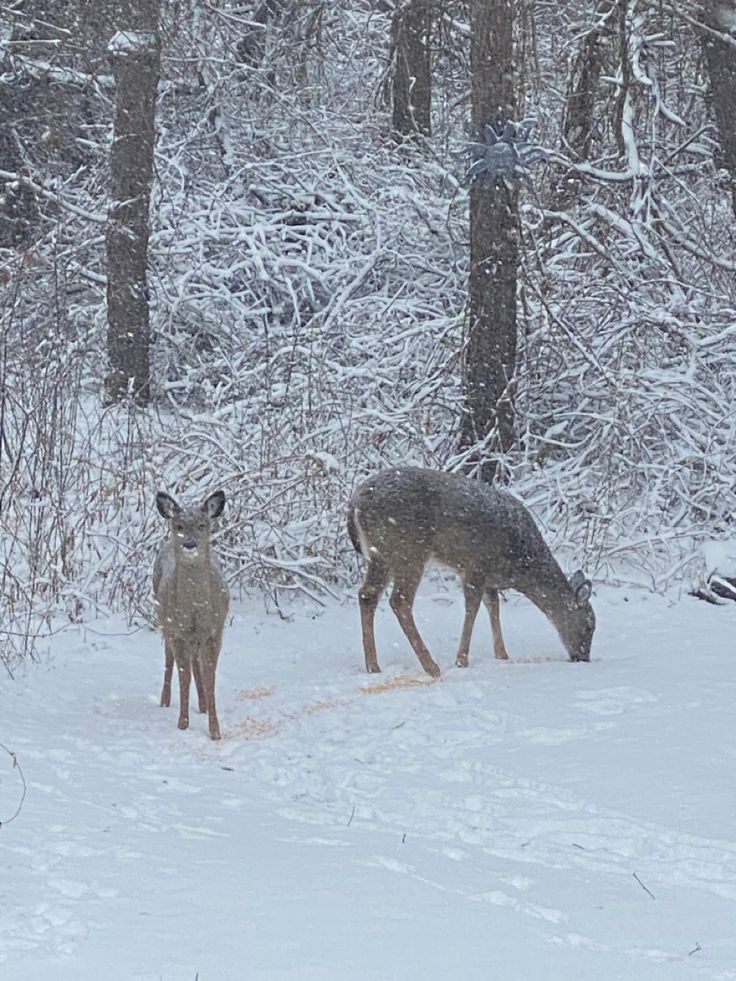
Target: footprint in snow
(614, 701)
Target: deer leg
(402, 600)
(376, 577)
(494, 609)
(168, 671)
(473, 594)
(184, 670)
(201, 695)
(209, 654)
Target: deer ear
(581, 587)
(214, 505)
(167, 506)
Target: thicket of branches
(308, 288)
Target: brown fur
(192, 602)
(404, 518)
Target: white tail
(403, 518)
(192, 602)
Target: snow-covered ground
(527, 821)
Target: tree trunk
(490, 353)
(720, 57)
(136, 58)
(412, 81)
(18, 209)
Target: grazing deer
(192, 601)
(402, 518)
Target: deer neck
(550, 591)
(192, 574)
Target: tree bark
(720, 57)
(490, 352)
(136, 57)
(412, 78)
(18, 208)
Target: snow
(527, 820)
(720, 556)
(125, 43)
(726, 16)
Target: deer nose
(189, 543)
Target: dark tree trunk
(490, 352)
(412, 81)
(136, 56)
(720, 57)
(18, 210)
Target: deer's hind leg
(376, 577)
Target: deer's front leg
(168, 671)
(473, 592)
(491, 600)
(198, 684)
(184, 670)
(209, 655)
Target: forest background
(309, 312)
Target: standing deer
(402, 518)
(192, 600)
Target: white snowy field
(524, 821)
